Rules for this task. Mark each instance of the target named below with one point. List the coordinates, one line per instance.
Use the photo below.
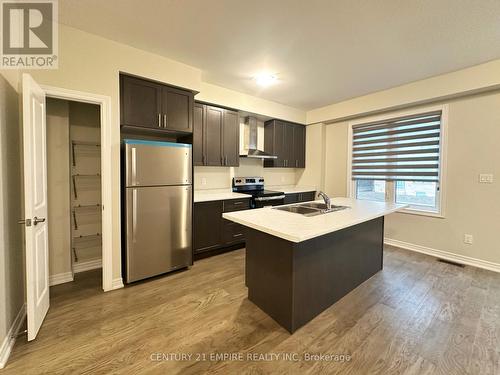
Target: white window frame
(390, 190)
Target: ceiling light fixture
(265, 79)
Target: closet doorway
(73, 188)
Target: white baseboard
(10, 338)
(117, 283)
(462, 259)
(60, 278)
(87, 266)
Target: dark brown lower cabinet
(206, 216)
(212, 233)
(300, 197)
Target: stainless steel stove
(255, 187)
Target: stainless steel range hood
(250, 141)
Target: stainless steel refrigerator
(158, 208)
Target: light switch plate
(486, 178)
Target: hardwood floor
(417, 316)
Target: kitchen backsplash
(220, 177)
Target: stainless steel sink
(310, 209)
(322, 206)
(297, 209)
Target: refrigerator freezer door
(158, 230)
(151, 163)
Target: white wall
(443, 87)
(221, 177)
(11, 210)
(470, 207)
(312, 174)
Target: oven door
(277, 200)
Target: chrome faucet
(326, 198)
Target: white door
(35, 203)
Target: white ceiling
(324, 51)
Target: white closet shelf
(83, 207)
(82, 242)
(79, 175)
(75, 144)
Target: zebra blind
(399, 149)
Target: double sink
(310, 208)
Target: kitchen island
(298, 266)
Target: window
(370, 190)
(417, 193)
(400, 160)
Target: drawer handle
(237, 203)
(238, 235)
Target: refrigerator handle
(134, 166)
(134, 214)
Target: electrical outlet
(468, 239)
(203, 181)
(486, 178)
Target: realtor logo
(29, 34)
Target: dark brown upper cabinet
(198, 120)
(140, 103)
(231, 138)
(299, 146)
(216, 136)
(286, 140)
(154, 105)
(213, 131)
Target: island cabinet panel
(285, 140)
(299, 197)
(211, 231)
(149, 104)
(216, 136)
(294, 282)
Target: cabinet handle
(296, 163)
(203, 159)
(159, 120)
(165, 120)
(222, 160)
(225, 160)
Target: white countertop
(290, 189)
(297, 228)
(216, 195)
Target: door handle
(26, 222)
(134, 165)
(134, 215)
(37, 220)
